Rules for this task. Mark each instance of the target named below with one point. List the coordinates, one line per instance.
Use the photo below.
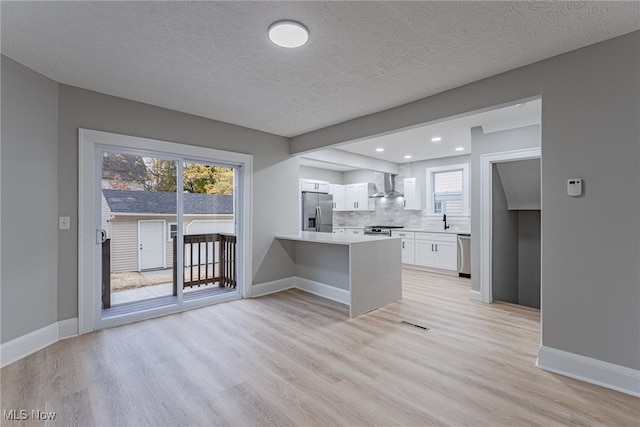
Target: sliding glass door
(166, 229)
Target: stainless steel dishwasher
(464, 255)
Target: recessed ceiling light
(379, 150)
(459, 148)
(407, 157)
(436, 139)
(287, 33)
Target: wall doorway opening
(488, 171)
(516, 232)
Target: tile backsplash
(390, 211)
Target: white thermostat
(574, 187)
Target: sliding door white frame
(89, 142)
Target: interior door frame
(486, 212)
(89, 144)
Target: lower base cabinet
(431, 250)
(408, 251)
(437, 250)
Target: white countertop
(336, 239)
(439, 230)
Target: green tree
(199, 178)
(161, 175)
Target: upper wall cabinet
(339, 196)
(357, 197)
(412, 196)
(314, 185)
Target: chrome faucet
(444, 218)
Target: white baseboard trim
(589, 370)
(17, 348)
(475, 295)
(326, 291)
(67, 328)
(267, 288)
(20, 347)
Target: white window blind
(447, 191)
(447, 182)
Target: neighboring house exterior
(123, 171)
(141, 224)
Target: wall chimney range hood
(389, 188)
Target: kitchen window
(448, 190)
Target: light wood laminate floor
(294, 359)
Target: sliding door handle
(101, 236)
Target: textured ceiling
(213, 59)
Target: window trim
(169, 236)
(465, 188)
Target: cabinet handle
(402, 245)
(436, 248)
(404, 203)
(432, 247)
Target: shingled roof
(155, 202)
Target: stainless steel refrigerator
(317, 212)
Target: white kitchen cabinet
(436, 250)
(412, 196)
(425, 254)
(408, 251)
(339, 193)
(314, 185)
(447, 256)
(357, 197)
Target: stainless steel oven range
(384, 230)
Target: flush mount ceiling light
(287, 33)
(379, 150)
(407, 156)
(459, 148)
(436, 139)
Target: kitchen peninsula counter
(362, 271)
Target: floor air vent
(404, 322)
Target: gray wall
(29, 201)
(591, 275)
(515, 246)
(481, 144)
(276, 211)
(504, 245)
(529, 258)
(590, 109)
(334, 177)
